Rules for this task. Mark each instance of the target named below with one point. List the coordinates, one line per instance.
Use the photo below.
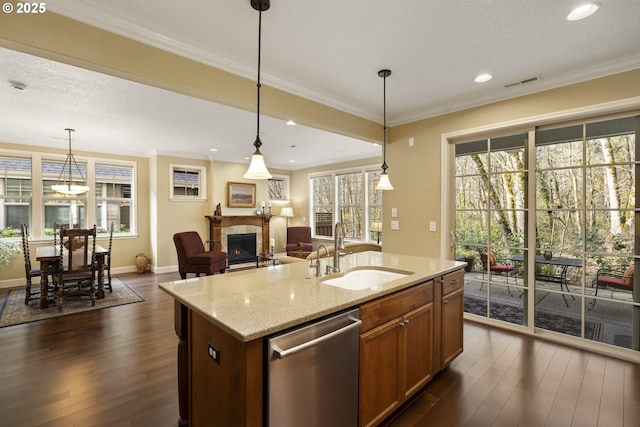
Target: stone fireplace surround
(221, 226)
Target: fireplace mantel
(218, 222)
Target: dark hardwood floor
(117, 367)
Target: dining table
(50, 255)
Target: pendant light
(67, 186)
(384, 183)
(257, 168)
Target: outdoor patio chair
(611, 278)
(493, 265)
(499, 266)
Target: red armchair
(299, 240)
(192, 258)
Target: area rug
(569, 325)
(15, 312)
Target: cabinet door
(417, 343)
(452, 312)
(379, 367)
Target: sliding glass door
(566, 243)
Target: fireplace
(241, 248)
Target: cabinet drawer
(452, 281)
(383, 309)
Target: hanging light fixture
(384, 183)
(257, 168)
(67, 186)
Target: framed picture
(241, 195)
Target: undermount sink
(363, 278)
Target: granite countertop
(251, 304)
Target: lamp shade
(376, 226)
(257, 168)
(286, 212)
(384, 183)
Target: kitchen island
(222, 321)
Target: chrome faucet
(338, 247)
(317, 264)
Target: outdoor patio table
(561, 278)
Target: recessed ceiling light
(583, 11)
(483, 78)
(292, 161)
(213, 149)
(291, 123)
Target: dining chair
(106, 266)
(30, 272)
(77, 264)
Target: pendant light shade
(67, 186)
(257, 168)
(384, 183)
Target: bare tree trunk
(498, 211)
(610, 184)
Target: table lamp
(376, 227)
(287, 213)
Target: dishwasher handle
(281, 354)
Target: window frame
(202, 182)
(36, 212)
(365, 229)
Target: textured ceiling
(330, 52)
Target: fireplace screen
(241, 248)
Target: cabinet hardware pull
(446, 301)
(454, 282)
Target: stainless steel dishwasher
(313, 374)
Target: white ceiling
(326, 51)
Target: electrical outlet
(395, 225)
(214, 353)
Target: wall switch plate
(394, 212)
(395, 225)
(214, 353)
(411, 142)
(432, 226)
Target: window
(278, 188)
(59, 208)
(15, 194)
(350, 204)
(322, 205)
(348, 196)
(110, 198)
(113, 198)
(187, 182)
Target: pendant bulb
(384, 183)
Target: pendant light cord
(257, 142)
(384, 126)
